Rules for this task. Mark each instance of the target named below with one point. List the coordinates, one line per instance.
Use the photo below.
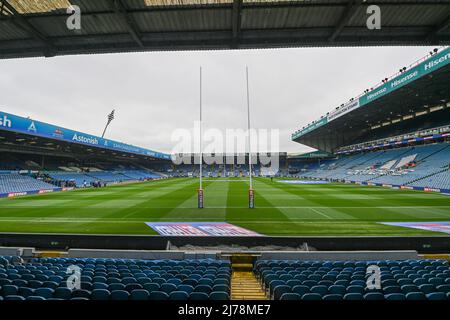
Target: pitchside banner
(441, 226)
(15, 123)
(200, 229)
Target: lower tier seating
(115, 279)
(347, 280)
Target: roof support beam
(439, 28)
(24, 24)
(121, 10)
(236, 21)
(346, 17)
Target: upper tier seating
(115, 279)
(10, 183)
(346, 280)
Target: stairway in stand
(244, 285)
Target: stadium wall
(421, 244)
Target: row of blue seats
(200, 278)
(368, 296)
(336, 280)
(132, 262)
(104, 294)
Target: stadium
(364, 217)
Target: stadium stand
(416, 166)
(347, 280)
(16, 183)
(115, 279)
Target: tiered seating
(346, 280)
(116, 279)
(108, 177)
(19, 183)
(139, 174)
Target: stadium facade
(395, 134)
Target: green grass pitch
(281, 209)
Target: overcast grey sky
(155, 93)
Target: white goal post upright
(200, 189)
(251, 192)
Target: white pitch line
(322, 214)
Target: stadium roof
(425, 84)
(30, 128)
(31, 28)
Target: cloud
(155, 93)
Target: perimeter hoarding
(10, 122)
(435, 226)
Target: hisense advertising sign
(433, 63)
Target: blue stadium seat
(81, 293)
(158, 295)
(219, 295)
(443, 288)
(119, 295)
(353, 296)
(278, 291)
(100, 294)
(168, 288)
(25, 292)
(427, 288)
(44, 292)
(395, 296)
(13, 298)
(320, 289)
(392, 289)
(311, 296)
(62, 293)
(203, 288)
(186, 288)
(35, 298)
(300, 290)
(436, 296)
(178, 295)
(290, 296)
(416, 296)
(336, 289)
(374, 296)
(334, 297)
(139, 294)
(198, 296)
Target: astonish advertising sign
(200, 229)
(15, 123)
